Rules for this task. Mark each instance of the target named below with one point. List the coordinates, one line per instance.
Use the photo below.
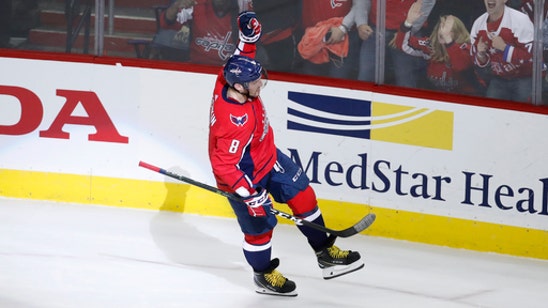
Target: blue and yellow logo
(370, 120)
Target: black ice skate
(272, 282)
(336, 262)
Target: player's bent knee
(304, 202)
(258, 239)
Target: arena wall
(435, 169)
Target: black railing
(78, 15)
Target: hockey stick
(363, 224)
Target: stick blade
(361, 225)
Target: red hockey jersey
(213, 37)
(455, 76)
(241, 141)
(213, 41)
(517, 30)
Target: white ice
(72, 255)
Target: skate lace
(275, 278)
(336, 253)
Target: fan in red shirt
(316, 12)
(447, 49)
(245, 161)
(502, 41)
(208, 24)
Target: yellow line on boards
(177, 197)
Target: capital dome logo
(370, 120)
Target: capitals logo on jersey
(238, 121)
(222, 45)
(337, 3)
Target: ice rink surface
(71, 255)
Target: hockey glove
(250, 27)
(257, 203)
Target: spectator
(320, 11)
(447, 50)
(502, 40)
(278, 45)
(527, 7)
(404, 69)
(204, 29)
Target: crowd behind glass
(480, 48)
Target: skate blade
(270, 292)
(339, 270)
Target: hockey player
(245, 161)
